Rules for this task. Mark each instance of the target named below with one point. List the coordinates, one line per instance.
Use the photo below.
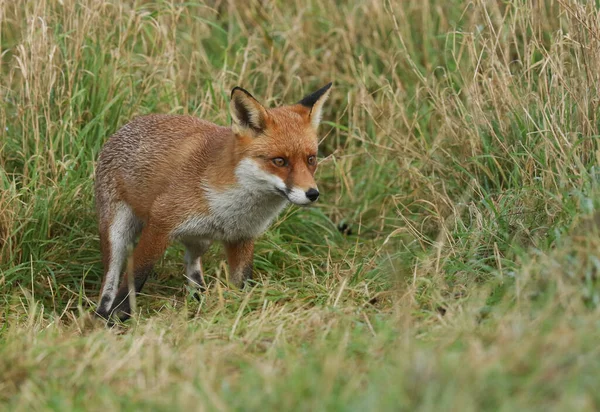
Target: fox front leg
(194, 249)
(239, 257)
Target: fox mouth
(282, 193)
(286, 195)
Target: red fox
(178, 178)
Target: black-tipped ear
(314, 102)
(248, 115)
(310, 100)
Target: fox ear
(314, 102)
(248, 115)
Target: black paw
(344, 228)
(247, 275)
(102, 313)
(197, 283)
(197, 291)
(120, 309)
(103, 308)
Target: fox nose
(312, 194)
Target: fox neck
(248, 207)
(243, 208)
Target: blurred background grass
(459, 149)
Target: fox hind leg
(152, 244)
(116, 237)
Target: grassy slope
(460, 146)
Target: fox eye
(279, 161)
(312, 160)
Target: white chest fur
(242, 211)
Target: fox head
(277, 148)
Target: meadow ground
(459, 157)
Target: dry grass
(460, 149)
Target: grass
(451, 264)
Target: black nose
(312, 194)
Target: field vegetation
(450, 264)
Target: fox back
(168, 177)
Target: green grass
(460, 146)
